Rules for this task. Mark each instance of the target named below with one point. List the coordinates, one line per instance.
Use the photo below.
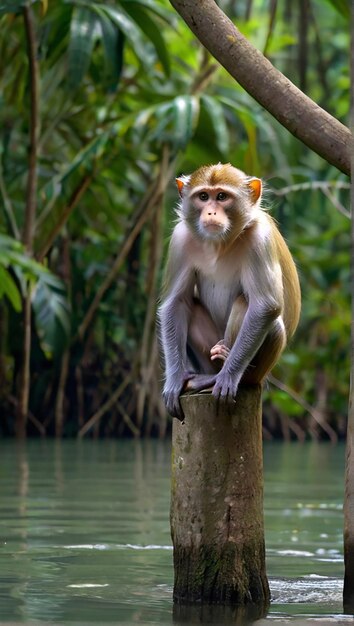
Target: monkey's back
(291, 284)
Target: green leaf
(113, 43)
(83, 33)
(341, 6)
(51, 314)
(278, 43)
(128, 27)
(49, 297)
(83, 158)
(12, 255)
(216, 115)
(186, 114)
(166, 14)
(11, 6)
(152, 31)
(9, 289)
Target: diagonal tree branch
(64, 216)
(307, 121)
(315, 414)
(153, 193)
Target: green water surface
(84, 532)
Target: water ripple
(119, 546)
(307, 589)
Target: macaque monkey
(231, 299)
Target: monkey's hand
(172, 391)
(219, 351)
(226, 385)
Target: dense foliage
(101, 104)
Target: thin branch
(322, 67)
(315, 414)
(64, 216)
(32, 418)
(127, 420)
(248, 11)
(60, 395)
(205, 74)
(338, 205)
(105, 407)
(24, 377)
(324, 186)
(129, 240)
(273, 12)
(297, 430)
(303, 43)
(313, 185)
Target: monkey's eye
(203, 196)
(222, 196)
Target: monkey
(231, 298)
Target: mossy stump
(217, 501)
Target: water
(84, 532)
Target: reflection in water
(84, 533)
(211, 614)
(23, 480)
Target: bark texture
(316, 128)
(217, 501)
(348, 591)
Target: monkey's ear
(255, 186)
(181, 181)
(180, 184)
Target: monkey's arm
(174, 315)
(263, 289)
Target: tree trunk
(217, 502)
(23, 391)
(23, 383)
(348, 592)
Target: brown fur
(291, 285)
(213, 175)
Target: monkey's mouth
(213, 227)
(213, 230)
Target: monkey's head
(218, 201)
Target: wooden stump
(217, 501)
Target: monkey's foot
(219, 351)
(199, 382)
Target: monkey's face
(217, 201)
(210, 210)
(215, 213)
